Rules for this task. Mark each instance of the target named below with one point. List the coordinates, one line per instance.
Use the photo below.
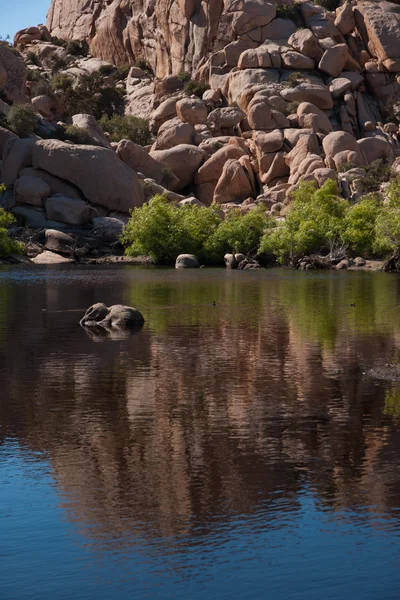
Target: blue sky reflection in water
(230, 453)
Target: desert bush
(7, 244)
(284, 11)
(376, 173)
(184, 76)
(55, 63)
(123, 71)
(238, 233)
(33, 58)
(106, 70)
(193, 87)
(163, 230)
(56, 41)
(77, 135)
(33, 75)
(293, 79)
(127, 127)
(92, 95)
(291, 108)
(61, 82)
(22, 119)
(77, 48)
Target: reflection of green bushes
(392, 404)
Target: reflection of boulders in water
(165, 430)
(102, 334)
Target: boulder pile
(290, 92)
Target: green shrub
(376, 173)
(33, 58)
(55, 63)
(198, 89)
(92, 96)
(123, 71)
(313, 223)
(56, 41)
(293, 79)
(33, 75)
(163, 230)
(239, 233)
(61, 82)
(21, 119)
(77, 135)
(106, 70)
(184, 76)
(8, 245)
(77, 48)
(284, 11)
(291, 108)
(127, 127)
(359, 226)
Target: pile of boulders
(289, 100)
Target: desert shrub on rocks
(163, 230)
(33, 58)
(56, 41)
(193, 87)
(127, 127)
(106, 70)
(293, 79)
(7, 244)
(328, 4)
(76, 135)
(376, 173)
(22, 119)
(61, 82)
(92, 95)
(284, 11)
(123, 71)
(77, 48)
(388, 220)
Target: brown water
(237, 451)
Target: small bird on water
(214, 303)
(354, 304)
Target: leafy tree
(163, 230)
(238, 233)
(359, 226)
(313, 223)
(7, 244)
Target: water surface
(236, 451)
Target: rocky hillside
(244, 99)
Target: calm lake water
(231, 452)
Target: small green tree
(7, 244)
(238, 233)
(22, 119)
(163, 230)
(359, 226)
(313, 223)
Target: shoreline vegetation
(320, 230)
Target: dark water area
(236, 451)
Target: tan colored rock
(58, 241)
(294, 60)
(211, 170)
(69, 210)
(240, 81)
(102, 177)
(339, 142)
(374, 148)
(268, 142)
(234, 185)
(227, 117)
(139, 160)
(334, 60)
(27, 36)
(378, 24)
(191, 110)
(339, 87)
(345, 20)
(31, 190)
(44, 105)
(50, 258)
(309, 92)
(305, 42)
(277, 170)
(183, 160)
(173, 133)
(165, 112)
(311, 117)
